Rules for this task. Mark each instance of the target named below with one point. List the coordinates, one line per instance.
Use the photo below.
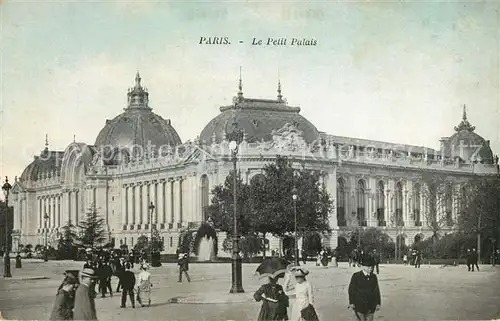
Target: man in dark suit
(475, 260)
(127, 280)
(183, 267)
(84, 298)
(364, 292)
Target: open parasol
(274, 267)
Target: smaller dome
(467, 144)
(49, 162)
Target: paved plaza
(429, 293)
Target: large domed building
(139, 160)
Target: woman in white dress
(144, 286)
(303, 294)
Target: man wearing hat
(364, 292)
(65, 298)
(183, 263)
(84, 298)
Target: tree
(141, 244)
(66, 246)
(91, 229)
(274, 206)
(438, 194)
(222, 204)
(480, 215)
(372, 238)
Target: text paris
(284, 42)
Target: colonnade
(177, 203)
(402, 202)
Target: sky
(390, 71)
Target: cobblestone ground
(429, 293)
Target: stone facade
(373, 184)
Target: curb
(215, 298)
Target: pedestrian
(376, 259)
(183, 263)
(127, 280)
(103, 275)
(65, 298)
(144, 286)
(304, 256)
(418, 259)
(274, 301)
(119, 269)
(364, 292)
(84, 298)
(469, 259)
(303, 306)
(405, 260)
(475, 260)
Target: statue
(496, 159)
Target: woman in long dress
(274, 301)
(304, 299)
(144, 286)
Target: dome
(138, 125)
(49, 162)
(467, 144)
(257, 118)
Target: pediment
(18, 188)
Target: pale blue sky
(390, 71)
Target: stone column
(176, 198)
(146, 196)
(69, 208)
(455, 207)
(182, 205)
(161, 202)
(39, 206)
(138, 204)
(424, 193)
(58, 210)
(131, 220)
(331, 187)
(169, 202)
(124, 209)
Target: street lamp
(6, 190)
(45, 253)
(236, 276)
(296, 247)
(151, 209)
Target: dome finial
(137, 80)
(46, 142)
(240, 88)
(280, 97)
(464, 124)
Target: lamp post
(236, 276)
(296, 247)
(6, 190)
(151, 209)
(45, 252)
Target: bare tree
(438, 194)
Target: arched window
(416, 204)
(380, 204)
(341, 221)
(399, 204)
(360, 201)
(204, 197)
